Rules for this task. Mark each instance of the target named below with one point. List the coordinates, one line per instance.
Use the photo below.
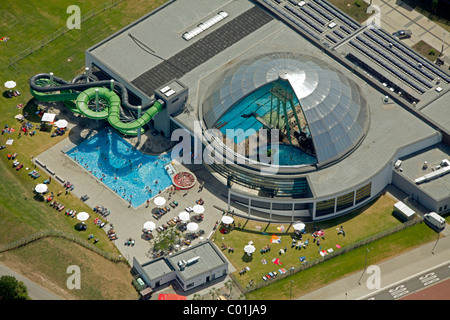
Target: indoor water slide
(78, 95)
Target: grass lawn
(354, 8)
(21, 213)
(353, 261)
(426, 50)
(369, 220)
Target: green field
(22, 214)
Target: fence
(60, 234)
(49, 38)
(309, 264)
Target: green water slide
(95, 100)
(111, 111)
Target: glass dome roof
(337, 114)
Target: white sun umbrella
(149, 225)
(83, 216)
(159, 201)
(192, 226)
(299, 226)
(184, 216)
(198, 208)
(10, 84)
(249, 249)
(40, 188)
(61, 123)
(227, 219)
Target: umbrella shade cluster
(192, 226)
(149, 225)
(227, 220)
(159, 201)
(198, 208)
(10, 84)
(83, 216)
(61, 123)
(41, 188)
(184, 216)
(249, 249)
(299, 226)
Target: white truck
(435, 220)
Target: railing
(60, 234)
(308, 264)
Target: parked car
(402, 34)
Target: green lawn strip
(343, 265)
(368, 221)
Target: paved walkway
(396, 15)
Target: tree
(12, 289)
(165, 240)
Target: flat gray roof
(392, 127)
(439, 109)
(412, 168)
(209, 259)
(161, 31)
(157, 268)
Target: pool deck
(128, 221)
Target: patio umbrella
(149, 225)
(227, 219)
(40, 188)
(10, 84)
(249, 249)
(299, 226)
(198, 208)
(83, 216)
(192, 226)
(184, 216)
(61, 123)
(159, 201)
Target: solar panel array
(321, 21)
(315, 18)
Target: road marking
(403, 280)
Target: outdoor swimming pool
(126, 171)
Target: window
(363, 193)
(345, 201)
(325, 207)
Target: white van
(435, 220)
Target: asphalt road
(35, 291)
(402, 289)
(399, 276)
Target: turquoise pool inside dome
(259, 102)
(132, 175)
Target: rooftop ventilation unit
(183, 263)
(435, 174)
(205, 25)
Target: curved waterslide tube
(48, 93)
(113, 111)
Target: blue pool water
(128, 172)
(292, 156)
(259, 102)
